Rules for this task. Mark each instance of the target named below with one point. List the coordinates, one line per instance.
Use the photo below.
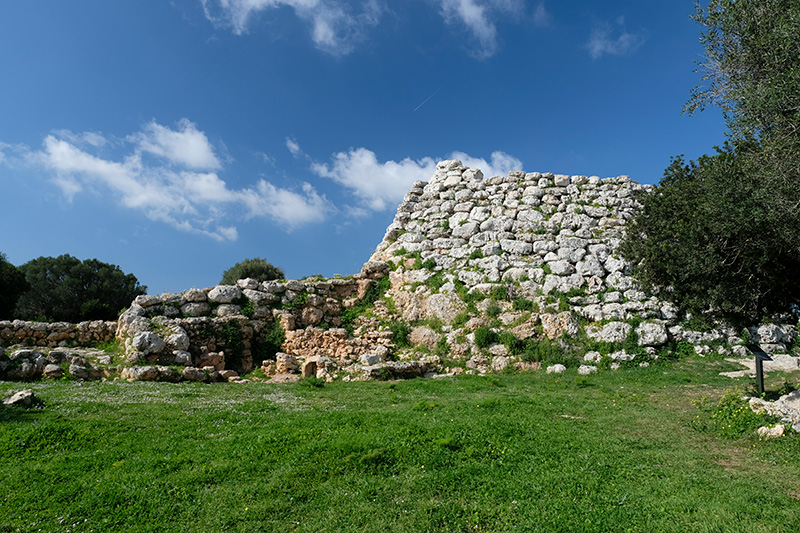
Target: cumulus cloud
(500, 163)
(614, 39)
(378, 185)
(183, 191)
(335, 26)
(382, 185)
(186, 146)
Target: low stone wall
(337, 344)
(56, 334)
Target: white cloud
(335, 27)
(500, 165)
(294, 147)
(541, 17)
(292, 208)
(478, 17)
(381, 186)
(187, 146)
(87, 138)
(472, 14)
(378, 185)
(176, 192)
(604, 41)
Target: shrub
(731, 417)
(442, 347)
(400, 332)
(429, 264)
(256, 268)
(485, 337)
(523, 304)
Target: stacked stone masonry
(459, 255)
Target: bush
(523, 304)
(400, 332)
(731, 417)
(485, 337)
(545, 351)
(256, 268)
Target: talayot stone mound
(474, 275)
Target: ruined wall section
(539, 234)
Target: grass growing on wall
(614, 451)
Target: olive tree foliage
(67, 289)
(12, 285)
(751, 65)
(720, 236)
(256, 268)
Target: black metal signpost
(761, 356)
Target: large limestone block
(224, 294)
(140, 373)
(445, 307)
(148, 342)
(516, 247)
(561, 268)
(611, 332)
(556, 325)
(590, 266)
(465, 231)
(651, 334)
(424, 336)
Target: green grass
(613, 451)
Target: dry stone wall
(474, 275)
(539, 234)
(229, 328)
(56, 334)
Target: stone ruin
(527, 257)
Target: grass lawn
(614, 451)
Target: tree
(12, 285)
(255, 268)
(721, 235)
(67, 289)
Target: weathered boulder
(52, 371)
(611, 332)
(148, 342)
(369, 359)
(78, 371)
(224, 294)
(24, 398)
(445, 307)
(424, 336)
(556, 325)
(651, 334)
(140, 373)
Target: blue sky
(175, 139)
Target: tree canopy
(721, 235)
(12, 285)
(67, 289)
(256, 268)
